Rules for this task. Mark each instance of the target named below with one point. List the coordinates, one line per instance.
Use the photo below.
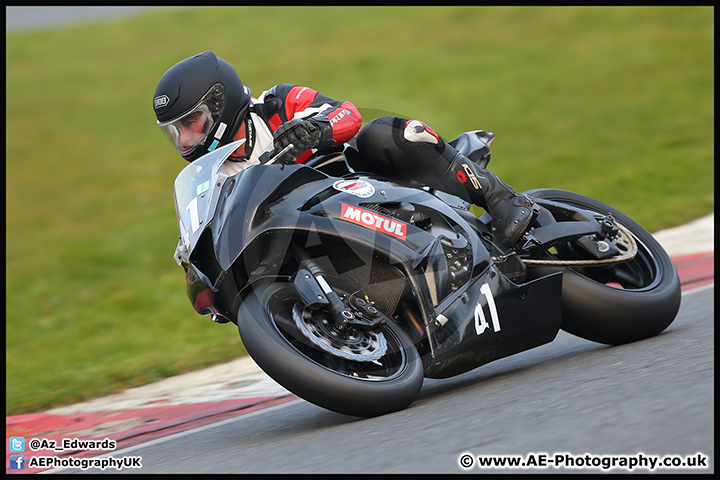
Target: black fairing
(433, 279)
(272, 204)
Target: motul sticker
(374, 221)
(359, 188)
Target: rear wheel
(617, 303)
(334, 377)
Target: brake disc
(351, 343)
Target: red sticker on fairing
(374, 221)
(359, 188)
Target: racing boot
(511, 213)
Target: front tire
(364, 389)
(619, 303)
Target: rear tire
(364, 389)
(594, 307)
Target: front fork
(316, 292)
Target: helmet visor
(191, 129)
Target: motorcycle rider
(201, 104)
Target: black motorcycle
(348, 289)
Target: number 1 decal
(192, 207)
(480, 323)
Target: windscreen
(196, 193)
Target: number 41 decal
(480, 323)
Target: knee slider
(417, 132)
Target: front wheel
(361, 388)
(618, 303)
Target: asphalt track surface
(20, 19)
(651, 398)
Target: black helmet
(200, 103)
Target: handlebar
(270, 157)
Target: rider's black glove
(304, 134)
